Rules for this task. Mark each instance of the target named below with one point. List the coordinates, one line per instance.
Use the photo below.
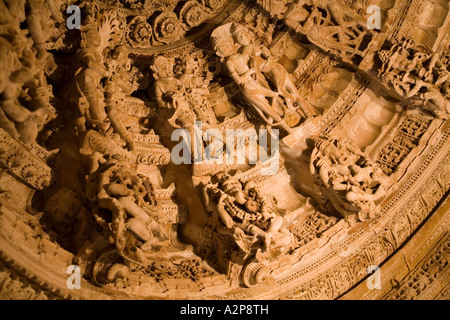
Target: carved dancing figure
(238, 65)
(117, 87)
(115, 187)
(272, 70)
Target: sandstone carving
(224, 149)
(243, 221)
(349, 180)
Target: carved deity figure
(90, 75)
(126, 210)
(100, 148)
(348, 178)
(273, 71)
(117, 87)
(417, 75)
(172, 101)
(240, 65)
(240, 210)
(329, 24)
(183, 99)
(196, 92)
(171, 95)
(25, 95)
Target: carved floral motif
(139, 32)
(214, 4)
(167, 27)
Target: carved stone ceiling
(224, 149)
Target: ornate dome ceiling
(224, 149)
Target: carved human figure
(340, 30)
(417, 75)
(173, 101)
(196, 92)
(90, 74)
(100, 148)
(117, 188)
(42, 14)
(342, 168)
(170, 94)
(367, 177)
(17, 120)
(243, 213)
(272, 70)
(166, 85)
(22, 76)
(12, 12)
(340, 12)
(263, 100)
(117, 87)
(276, 8)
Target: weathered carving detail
(88, 178)
(244, 230)
(407, 138)
(348, 180)
(417, 74)
(423, 276)
(331, 25)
